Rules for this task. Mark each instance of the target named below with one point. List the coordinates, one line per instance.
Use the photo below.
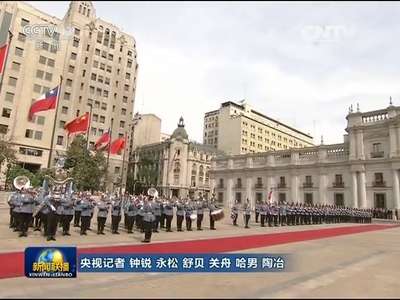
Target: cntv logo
(50, 262)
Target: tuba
(21, 182)
(152, 192)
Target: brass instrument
(152, 192)
(21, 182)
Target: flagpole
(88, 129)
(108, 152)
(10, 36)
(123, 165)
(54, 124)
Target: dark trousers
(155, 223)
(17, 221)
(199, 220)
(85, 222)
(38, 221)
(44, 218)
(66, 222)
(12, 218)
(283, 220)
(101, 222)
(168, 223)
(126, 220)
(162, 220)
(235, 220)
(257, 214)
(275, 218)
(52, 222)
(246, 220)
(188, 223)
(115, 223)
(77, 218)
(212, 222)
(147, 230)
(139, 222)
(90, 221)
(262, 220)
(25, 220)
(179, 220)
(130, 221)
(269, 219)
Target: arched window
(201, 174)
(177, 167)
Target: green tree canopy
(7, 153)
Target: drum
(217, 214)
(193, 216)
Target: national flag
(117, 145)
(46, 101)
(4, 32)
(103, 141)
(79, 124)
(270, 195)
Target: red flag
(270, 195)
(79, 124)
(46, 101)
(3, 55)
(104, 139)
(117, 146)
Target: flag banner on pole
(103, 141)
(45, 102)
(4, 32)
(117, 145)
(78, 125)
(270, 195)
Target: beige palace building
(239, 129)
(99, 68)
(363, 171)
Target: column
(355, 189)
(360, 145)
(396, 190)
(363, 191)
(229, 196)
(294, 188)
(393, 142)
(249, 190)
(270, 186)
(353, 148)
(322, 189)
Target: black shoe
(49, 239)
(102, 233)
(246, 227)
(90, 229)
(21, 234)
(116, 232)
(213, 229)
(169, 230)
(199, 229)
(130, 231)
(15, 229)
(98, 232)
(68, 234)
(145, 241)
(156, 231)
(53, 239)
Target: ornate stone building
(363, 171)
(176, 167)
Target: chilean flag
(79, 124)
(104, 140)
(270, 195)
(117, 146)
(46, 101)
(3, 55)
(4, 36)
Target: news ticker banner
(64, 262)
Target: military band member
(86, 212)
(77, 210)
(148, 219)
(130, 209)
(283, 214)
(180, 214)
(13, 202)
(116, 211)
(274, 213)
(200, 205)
(257, 210)
(263, 212)
(188, 212)
(157, 204)
(212, 207)
(235, 213)
(139, 215)
(67, 204)
(247, 213)
(169, 214)
(103, 207)
(38, 218)
(27, 204)
(52, 202)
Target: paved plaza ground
(355, 265)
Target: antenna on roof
(391, 102)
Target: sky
(302, 63)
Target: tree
(17, 170)
(7, 153)
(147, 171)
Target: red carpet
(12, 264)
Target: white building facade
(362, 172)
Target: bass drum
(193, 216)
(217, 214)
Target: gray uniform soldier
(67, 203)
(257, 210)
(247, 213)
(12, 202)
(263, 213)
(39, 198)
(148, 219)
(77, 210)
(180, 214)
(200, 205)
(275, 213)
(116, 211)
(102, 212)
(86, 212)
(169, 214)
(283, 214)
(235, 213)
(139, 215)
(189, 208)
(130, 214)
(27, 205)
(157, 214)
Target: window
(110, 57)
(40, 120)
(71, 69)
(6, 113)
(50, 62)
(308, 198)
(104, 106)
(379, 179)
(29, 133)
(125, 99)
(76, 42)
(60, 140)
(21, 37)
(380, 201)
(83, 73)
(93, 76)
(105, 93)
(126, 87)
(61, 124)
(239, 183)
(30, 151)
(73, 56)
(123, 112)
(117, 170)
(3, 129)
(64, 110)
(129, 63)
(102, 119)
(109, 69)
(127, 76)
(37, 88)
(339, 199)
(97, 104)
(39, 74)
(48, 76)
(42, 60)
(69, 82)
(104, 54)
(24, 22)
(377, 150)
(107, 81)
(9, 97)
(16, 66)
(19, 52)
(67, 96)
(238, 197)
(95, 118)
(122, 124)
(91, 89)
(93, 131)
(259, 197)
(98, 92)
(77, 31)
(12, 81)
(282, 198)
(100, 79)
(282, 180)
(308, 180)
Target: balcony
(258, 186)
(378, 154)
(379, 184)
(338, 185)
(281, 185)
(308, 185)
(238, 186)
